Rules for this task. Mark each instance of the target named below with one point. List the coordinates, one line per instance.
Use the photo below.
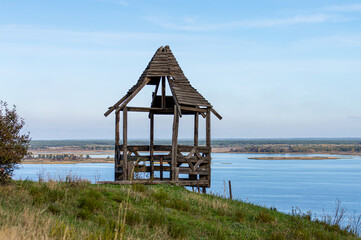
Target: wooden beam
(208, 128)
(133, 94)
(181, 182)
(151, 145)
(196, 117)
(174, 97)
(217, 114)
(208, 144)
(174, 144)
(156, 88)
(116, 105)
(116, 153)
(155, 92)
(163, 92)
(203, 110)
(125, 143)
(161, 168)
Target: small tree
(14, 143)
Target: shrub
(264, 217)
(13, 143)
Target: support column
(173, 174)
(163, 93)
(125, 143)
(196, 121)
(208, 128)
(196, 117)
(208, 144)
(151, 145)
(117, 152)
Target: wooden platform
(192, 165)
(154, 182)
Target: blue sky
(272, 68)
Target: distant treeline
(58, 157)
(299, 148)
(243, 143)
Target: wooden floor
(200, 183)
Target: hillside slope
(79, 210)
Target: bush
(13, 143)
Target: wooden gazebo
(165, 163)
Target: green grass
(79, 210)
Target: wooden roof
(163, 63)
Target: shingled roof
(164, 64)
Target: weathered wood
(156, 89)
(208, 128)
(116, 154)
(174, 143)
(230, 189)
(161, 168)
(193, 109)
(111, 109)
(216, 114)
(181, 182)
(132, 95)
(164, 148)
(151, 151)
(195, 161)
(174, 97)
(163, 93)
(125, 142)
(187, 148)
(141, 109)
(139, 148)
(196, 121)
(208, 144)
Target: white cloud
(258, 23)
(355, 117)
(344, 8)
(119, 2)
(45, 33)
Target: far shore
(214, 150)
(48, 161)
(295, 158)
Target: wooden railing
(192, 160)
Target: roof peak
(164, 64)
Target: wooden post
(196, 117)
(125, 142)
(208, 128)
(163, 93)
(174, 144)
(230, 189)
(161, 168)
(208, 144)
(196, 121)
(116, 153)
(151, 151)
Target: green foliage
(64, 210)
(264, 217)
(13, 143)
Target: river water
(307, 184)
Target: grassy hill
(78, 210)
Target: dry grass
(74, 209)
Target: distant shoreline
(48, 161)
(295, 158)
(111, 159)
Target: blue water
(309, 185)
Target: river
(307, 184)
